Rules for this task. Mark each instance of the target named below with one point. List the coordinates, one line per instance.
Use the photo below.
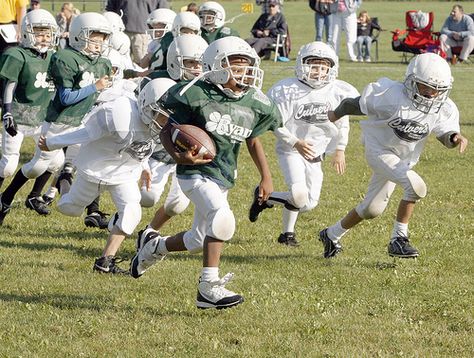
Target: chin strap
(193, 81)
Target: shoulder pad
(261, 97)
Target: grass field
(297, 304)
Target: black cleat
(256, 208)
(97, 219)
(4, 209)
(400, 247)
(37, 204)
(289, 239)
(331, 248)
(107, 264)
(48, 200)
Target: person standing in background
(323, 19)
(135, 14)
(345, 19)
(64, 19)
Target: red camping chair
(419, 36)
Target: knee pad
(176, 205)
(417, 189)
(129, 218)
(57, 162)
(222, 224)
(148, 198)
(369, 210)
(8, 165)
(33, 170)
(309, 206)
(299, 195)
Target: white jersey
(153, 46)
(305, 114)
(393, 124)
(118, 89)
(116, 144)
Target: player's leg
(80, 195)
(10, 154)
(160, 173)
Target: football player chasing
(400, 118)
(307, 134)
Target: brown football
(186, 136)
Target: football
(186, 136)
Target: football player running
(26, 94)
(117, 140)
(229, 105)
(400, 118)
(307, 134)
(212, 16)
(79, 74)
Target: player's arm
(7, 118)
(348, 106)
(453, 139)
(257, 153)
(68, 96)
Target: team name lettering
(409, 131)
(312, 112)
(223, 125)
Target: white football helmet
(115, 21)
(39, 19)
(433, 71)
(118, 67)
(185, 47)
(160, 16)
(212, 15)
(121, 42)
(82, 26)
(216, 64)
(316, 75)
(149, 103)
(187, 20)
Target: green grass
(362, 303)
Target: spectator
(323, 17)
(64, 18)
(364, 38)
(135, 14)
(458, 31)
(191, 7)
(267, 27)
(265, 4)
(34, 5)
(345, 19)
(12, 13)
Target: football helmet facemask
(160, 16)
(185, 47)
(36, 23)
(317, 64)
(83, 27)
(428, 81)
(212, 15)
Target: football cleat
(400, 247)
(289, 239)
(215, 295)
(97, 219)
(147, 255)
(331, 248)
(107, 264)
(4, 209)
(256, 208)
(37, 204)
(48, 200)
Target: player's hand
(305, 149)
(265, 188)
(332, 116)
(103, 83)
(191, 157)
(42, 144)
(145, 179)
(460, 141)
(338, 162)
(9, 124)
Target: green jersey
(34, 90)
(229, 121)
(71, 69)
(218, 34)
(158, 59)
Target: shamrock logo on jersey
(222, 125)
(41, 81)
(87, 79)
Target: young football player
(25, 98)
(116, 144)
(230, 107)
(27, 91)
(307, 134)
(79, 74)
(400, 118)
(212, 16)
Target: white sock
(210, 274)
(399, 229)
(162, 247)
(336, 232)
(52, 191)
(289, 220)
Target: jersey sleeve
(277, 95)
(376, 101)
(11, 64)
(448, 121)
(179, 106)
(269, 119)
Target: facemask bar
(317, 75)
(422, 103)
(248, 76)
(155, 33)
(85, 37)
(208, 19)
(32, 36)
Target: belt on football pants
(318, 159)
